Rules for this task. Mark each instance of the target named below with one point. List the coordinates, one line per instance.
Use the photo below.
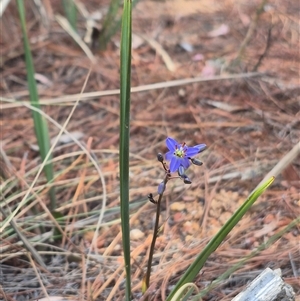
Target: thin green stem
(155, 232)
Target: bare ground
(248, 122)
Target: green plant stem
(155, 232)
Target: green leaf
(125, 87)
(197, 265)
(111, 23)
(40, 125)
(56, 232)
(259, 249)
(185, 292)
(71, 12)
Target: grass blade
(259, 249)
(125, 74)
(196, 266)
(40, 125)
(71, 12)
(111, 23)
(25, 241)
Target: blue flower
(179, 154)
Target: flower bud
(186, 180)
(160, 157)
(161, 188)
(181, 171)
(151, 199)
(196, 161)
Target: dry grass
(248, 124)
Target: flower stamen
(180, 154)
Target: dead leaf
(220, 31)
(290, 174)
(56, 298)
(267, 229)
(224, 106)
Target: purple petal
(185, 162)
(171, 144)
(192, 151)
(169, 155)
(201, 147)
(174, 164)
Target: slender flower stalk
(155, 232)
(180, 157)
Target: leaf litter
(249, 124)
